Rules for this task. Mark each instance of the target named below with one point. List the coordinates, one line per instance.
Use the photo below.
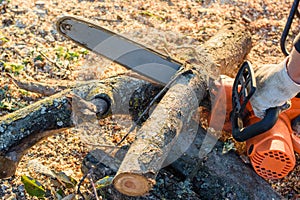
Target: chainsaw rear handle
(242, 134)
(243, 88)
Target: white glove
(274, 87)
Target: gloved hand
(274, 87)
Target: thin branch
(108, 20)
(50, 60)
(37, 87)
(81, 181)
(93, 186)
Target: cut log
(169, 185)
(22, 129)
(217, 177)
(173, 115)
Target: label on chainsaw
(119, 49)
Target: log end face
(7, 167)
(133, 184)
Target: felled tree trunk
(220, 176)
(22, 129)
(175, 112)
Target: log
(84, 103)
(217, 177)
(174, 114)
(221, 176)
(232, 40)
(169, 185)
(23, 128)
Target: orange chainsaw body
(272, 152)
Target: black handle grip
(242, 134)
(294, 11)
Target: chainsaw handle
(294, 11)
(242, 134)
(243, 88)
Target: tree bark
(175, 112)
(228, 47)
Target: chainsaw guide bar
(119, 49)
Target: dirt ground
(32, 50)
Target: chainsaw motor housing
(271, 141)
(271, 153)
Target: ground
(32, 50)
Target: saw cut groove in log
(146, 156)
(23, 128)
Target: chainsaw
(270, 141)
